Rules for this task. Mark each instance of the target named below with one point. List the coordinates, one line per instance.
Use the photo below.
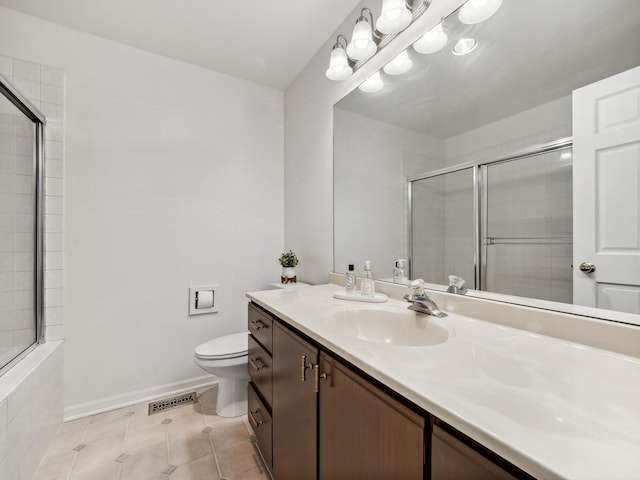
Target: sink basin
(389, 327)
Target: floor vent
(173, 402)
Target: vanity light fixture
(372, 84)
(339, 68)
(395, 16)
(476, 11)
(399, 65)
(464, 46)
(433, 41)
(362, 44)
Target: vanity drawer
(261, 326)
(260, 368)
(261, 424)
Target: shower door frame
(480, 200)
(32, 113)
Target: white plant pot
(288, 275)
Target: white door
(606, 193)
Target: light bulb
(372, 84)
(399, 65)
(339, 68)
(394, 18)
(362, 45)
(432, 41)
(476, 11)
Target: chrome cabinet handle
(257, 363)
(318, 376)
(303, 367)
(587, 267)
(254, 421)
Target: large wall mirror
(515, 166)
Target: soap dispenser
(367, 284)
(399, 271)
(350, 280)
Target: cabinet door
(294, 407)
(453, 460)
(364, 433)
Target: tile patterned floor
(184, 443)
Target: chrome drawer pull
(254, 421)
(303, 367)
(257, 324)
(319, 376)
(257, 363)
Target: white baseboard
(86, 409)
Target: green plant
(288, 259)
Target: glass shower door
(20, 285)
(442, 227)
(528, 227)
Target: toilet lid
(229, 346)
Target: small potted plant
(288, 261)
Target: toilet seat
(230, 346)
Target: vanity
(347, 390)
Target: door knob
(587, 267)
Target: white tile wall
(527, 198)
(31, 392)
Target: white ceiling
(264, 41)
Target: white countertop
(555, 409)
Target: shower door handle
(587, 267)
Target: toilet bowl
(226, 358)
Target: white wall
(174, 177)
(370, 180)
(537, 125)
(309, 143)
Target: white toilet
(226, 358)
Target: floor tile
(65, 441)
(185, 423)
(145, 463)
(98, 453)
(186, 449)
(199, 469)
(101, 430)
(144, 438)
(74, 425)
(55, 466)
(207, 400)
(177, 444)
(257, 473)
(228, 434)
(108, 471)
(238, 459)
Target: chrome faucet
(420, 302)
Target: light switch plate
(192, 299)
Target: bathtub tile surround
(31, 392)
(30, 410)
(188, 442)
(44, 88)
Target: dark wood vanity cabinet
(294, 406)
(317, 418)
(260, 390)
(363, 432)
(452, 459)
